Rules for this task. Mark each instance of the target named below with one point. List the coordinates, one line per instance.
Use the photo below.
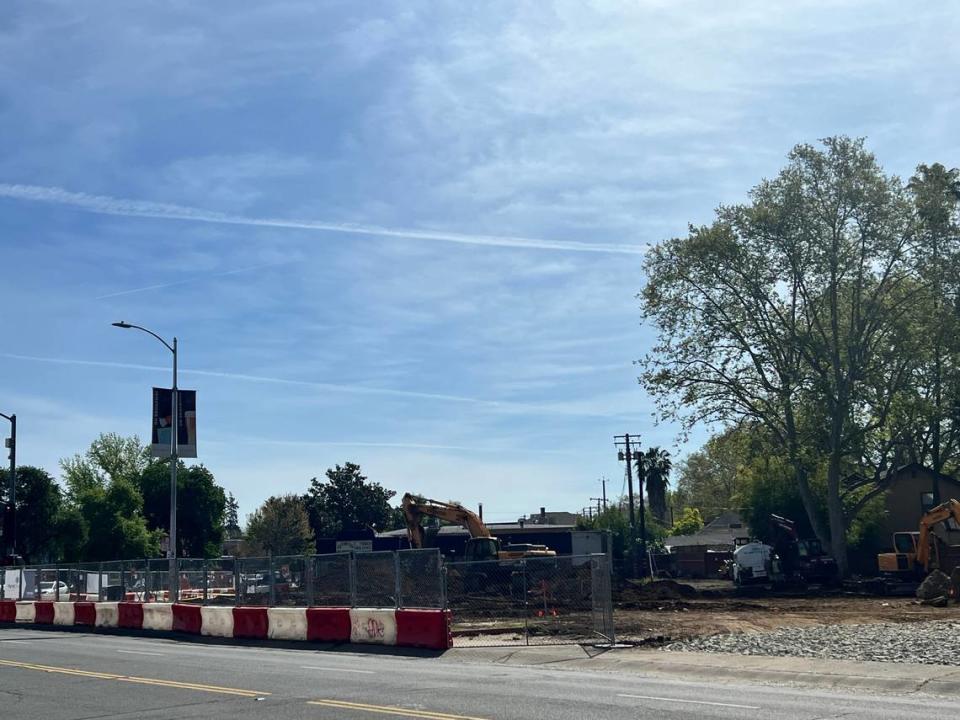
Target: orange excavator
(481, 545)
(917, 553)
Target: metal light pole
(10, 516)
(174, 432)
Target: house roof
(722, 530)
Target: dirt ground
(683, 611)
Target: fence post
(443, 585)
(56, 584)
(236, 581)
(353, 579)
(100, 587)
(123, 581)
(147, 581)
(526, 613)
(206, 581)
(85, 585)
(310, 560)
(273, 590)
(397, 588)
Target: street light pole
(174, 432)
(10, 516)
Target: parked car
(48, 590)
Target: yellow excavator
(481, 545)
(917, 553)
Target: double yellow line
(388, 710)
(137, 680)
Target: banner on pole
(163, 423)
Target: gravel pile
(933, 643)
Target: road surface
(47, 675)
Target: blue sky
(404, 234)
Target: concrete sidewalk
(894, 678)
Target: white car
(48, 591)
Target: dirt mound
(663, 590)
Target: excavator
(802, 560)
(917, 553)
(481, 545)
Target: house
(701, 554)
(912, 490)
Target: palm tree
(653, 467)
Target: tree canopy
(280, 526)
(806, 314)
(347, 500)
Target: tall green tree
(711, 478)
(347, 500)
(103, 489)
(653, 471)
(201, 504)
(794, 312)
(47, 529)
(232, 517)
(280, 526)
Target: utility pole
(599, 510)
(603, 483)
(629, 455)
(10, 514)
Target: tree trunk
(838, 533)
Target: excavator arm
(942, 512)
(415, 508)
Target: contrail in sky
(106, 205)
(192, 280)
(507, 406)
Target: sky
(404, 234)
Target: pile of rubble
(932, 642)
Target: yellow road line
(131, 679)
(390, 710)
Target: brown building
(912, 490)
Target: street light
(174, 431)
(10, 514)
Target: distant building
(912, 490)
(701, 554)
(554, 517)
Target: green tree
(280, 526)
(103, 491)
(347, 500)
(46, 529)
(690, 522)
(793, 312)
(232, 517)
(653, 471)
(711, 478)
(201, 505)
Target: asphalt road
(47, 675)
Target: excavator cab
(903, 560)
(482, 548)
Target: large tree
(201, 504)
(47, 529)
(653, 471)
(347, 500)
(793, 312)
(103, 487)
(279, 527)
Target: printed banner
(163, 423)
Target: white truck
(753, 562)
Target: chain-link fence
(406, 578)
(531, 601)
(525, 601)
